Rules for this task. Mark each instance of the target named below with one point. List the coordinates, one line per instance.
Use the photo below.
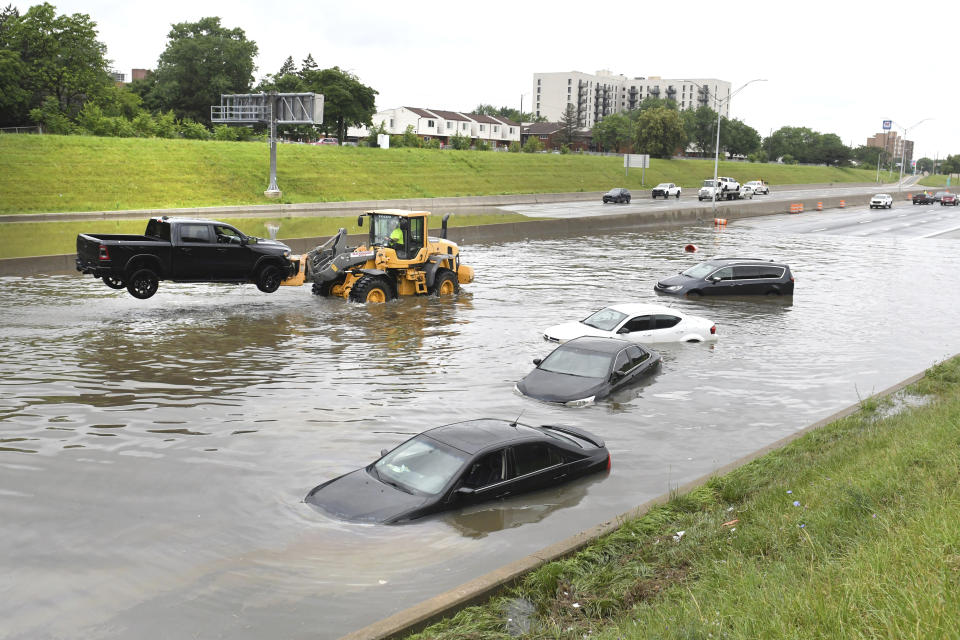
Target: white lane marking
(820, 229)
(863, 222)
(940, 233)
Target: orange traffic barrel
(819, 206)
(719, 222)
(843, 203)
(796, 208)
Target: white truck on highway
(725, 189)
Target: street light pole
(716, 151)
(903, 150)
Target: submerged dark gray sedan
(586, 369)
(461, 464)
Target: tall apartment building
(598, 95)
(893, 146)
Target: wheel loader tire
(114, 282)
(323, 289)
(445, 283)
(143, 283)
(268, 280)
(371, 289)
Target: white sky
(830, 66)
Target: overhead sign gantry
(245, 109)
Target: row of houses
(442, 125)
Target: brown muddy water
(154, 454)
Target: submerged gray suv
(730, 277)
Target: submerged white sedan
(638, 322)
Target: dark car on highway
(730, 277)
(923, 197)
(938, 196)
(586, 369)
(458, 465)
(618, 195)
(948, 199)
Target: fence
(36, 130)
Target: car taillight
(608, 462)
(713, 330)
(791, 278)
(104, 254)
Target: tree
(202, 61)
(831, 150)
(700, 125)
(867, 156)
(924, 165)
(308, 65)
(46, 55)
(569, 124)
(532, 145)
(652, 102)
(737, 138)
(507, 112)
(615, 132)
(346, 101)
(797, 142)
(660, 132)
(286, 67)
(460, 142)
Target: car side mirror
(623, 330)
(715, 279)
(537, 361)
(465, 491)
(244, 241)
(384, 452)
(360, 221)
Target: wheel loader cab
(383, 233)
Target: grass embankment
(940, 181)
(77, 173)
(848, 532)
(21, 239)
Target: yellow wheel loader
(399, 259)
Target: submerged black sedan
(586, 369)
(461, 464)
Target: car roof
(732, 259)
(472, 436)
(602, 345)
(397, 212)
(189, 220)
(640, 308)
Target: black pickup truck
(183, 250)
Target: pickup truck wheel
(371, 289)
(114, 282)
(268, 280)
(143, 283)
(445, 283)
(678, 195)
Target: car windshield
(881, 195)
(613, 192)
(577, 362)
(662, 185)
(708, 183)
(700, 270)
(605, 319)
(420, 465)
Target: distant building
(595, 96)
(117, 77)
(430, 124)
(893, 146)
(139, 74)
(548, 134)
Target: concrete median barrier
(535, 229)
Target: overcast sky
(837, 67)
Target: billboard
(887, 124)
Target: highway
(688, 199)
(903, 220)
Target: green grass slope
(78, 173)
(848, 532)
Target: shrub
(460, 142)
(433, 143)
(564, 148)
(144, 126)
(532, 145)
(482, 145)
(514, 147)
(194, 130)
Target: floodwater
(154, 454)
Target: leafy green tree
(514, 147)
(758, 156)
(375, 131)
(867, 156)
(951, 164)
(660, 132)
(460, 142)
(569, 125)
(700, 125)
(308, 65)
(202, 60)
(346, 101)
(194, 130)
(410, 138)
(47, 55)
(287, 67)
(432, 143)
(831, 150)
(797, 142)
(481, 145)
(507, 112)
(615, 132)
(924, 164)
(49, 116)
(532, 145)
(652, 102)
(738, 138)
